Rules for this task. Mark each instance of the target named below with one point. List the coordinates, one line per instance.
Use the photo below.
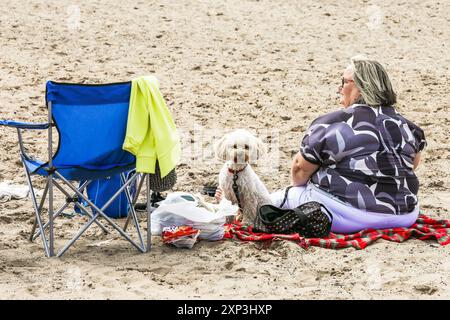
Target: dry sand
(269, 66)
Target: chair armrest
(23, 125)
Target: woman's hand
(218, 194)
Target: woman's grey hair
(373, 82)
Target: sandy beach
(268, 66)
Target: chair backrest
(91, 121)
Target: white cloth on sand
(9, 191)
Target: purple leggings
(346, 219)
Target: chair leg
(141, 182)
(149, 224)
(50, 215)
(48, 247)
(132, 211)
(41, 204)
(37, 211)
(145, 177)
(50, 178)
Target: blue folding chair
(91, 122)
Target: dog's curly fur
(239, 149)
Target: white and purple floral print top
(366, 157)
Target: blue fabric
(33, 165)
(23, 125)
(91, 122)
(91, 136)
(79, 94)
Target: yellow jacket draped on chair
(151, 133)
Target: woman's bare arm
(416, 160)
(301, 170)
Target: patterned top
(366, 157)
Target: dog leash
(235, 186)
(236, 190)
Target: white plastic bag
(187, 213)
(178, 197)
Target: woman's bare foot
(235, 219)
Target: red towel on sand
(425, 228)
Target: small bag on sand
(180, 236)
(310, 220)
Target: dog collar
(236, 171)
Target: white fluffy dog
(240, 148)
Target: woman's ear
(220, 148)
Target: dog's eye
(235, 146)
(246, 147)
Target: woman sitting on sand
(359, 161)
